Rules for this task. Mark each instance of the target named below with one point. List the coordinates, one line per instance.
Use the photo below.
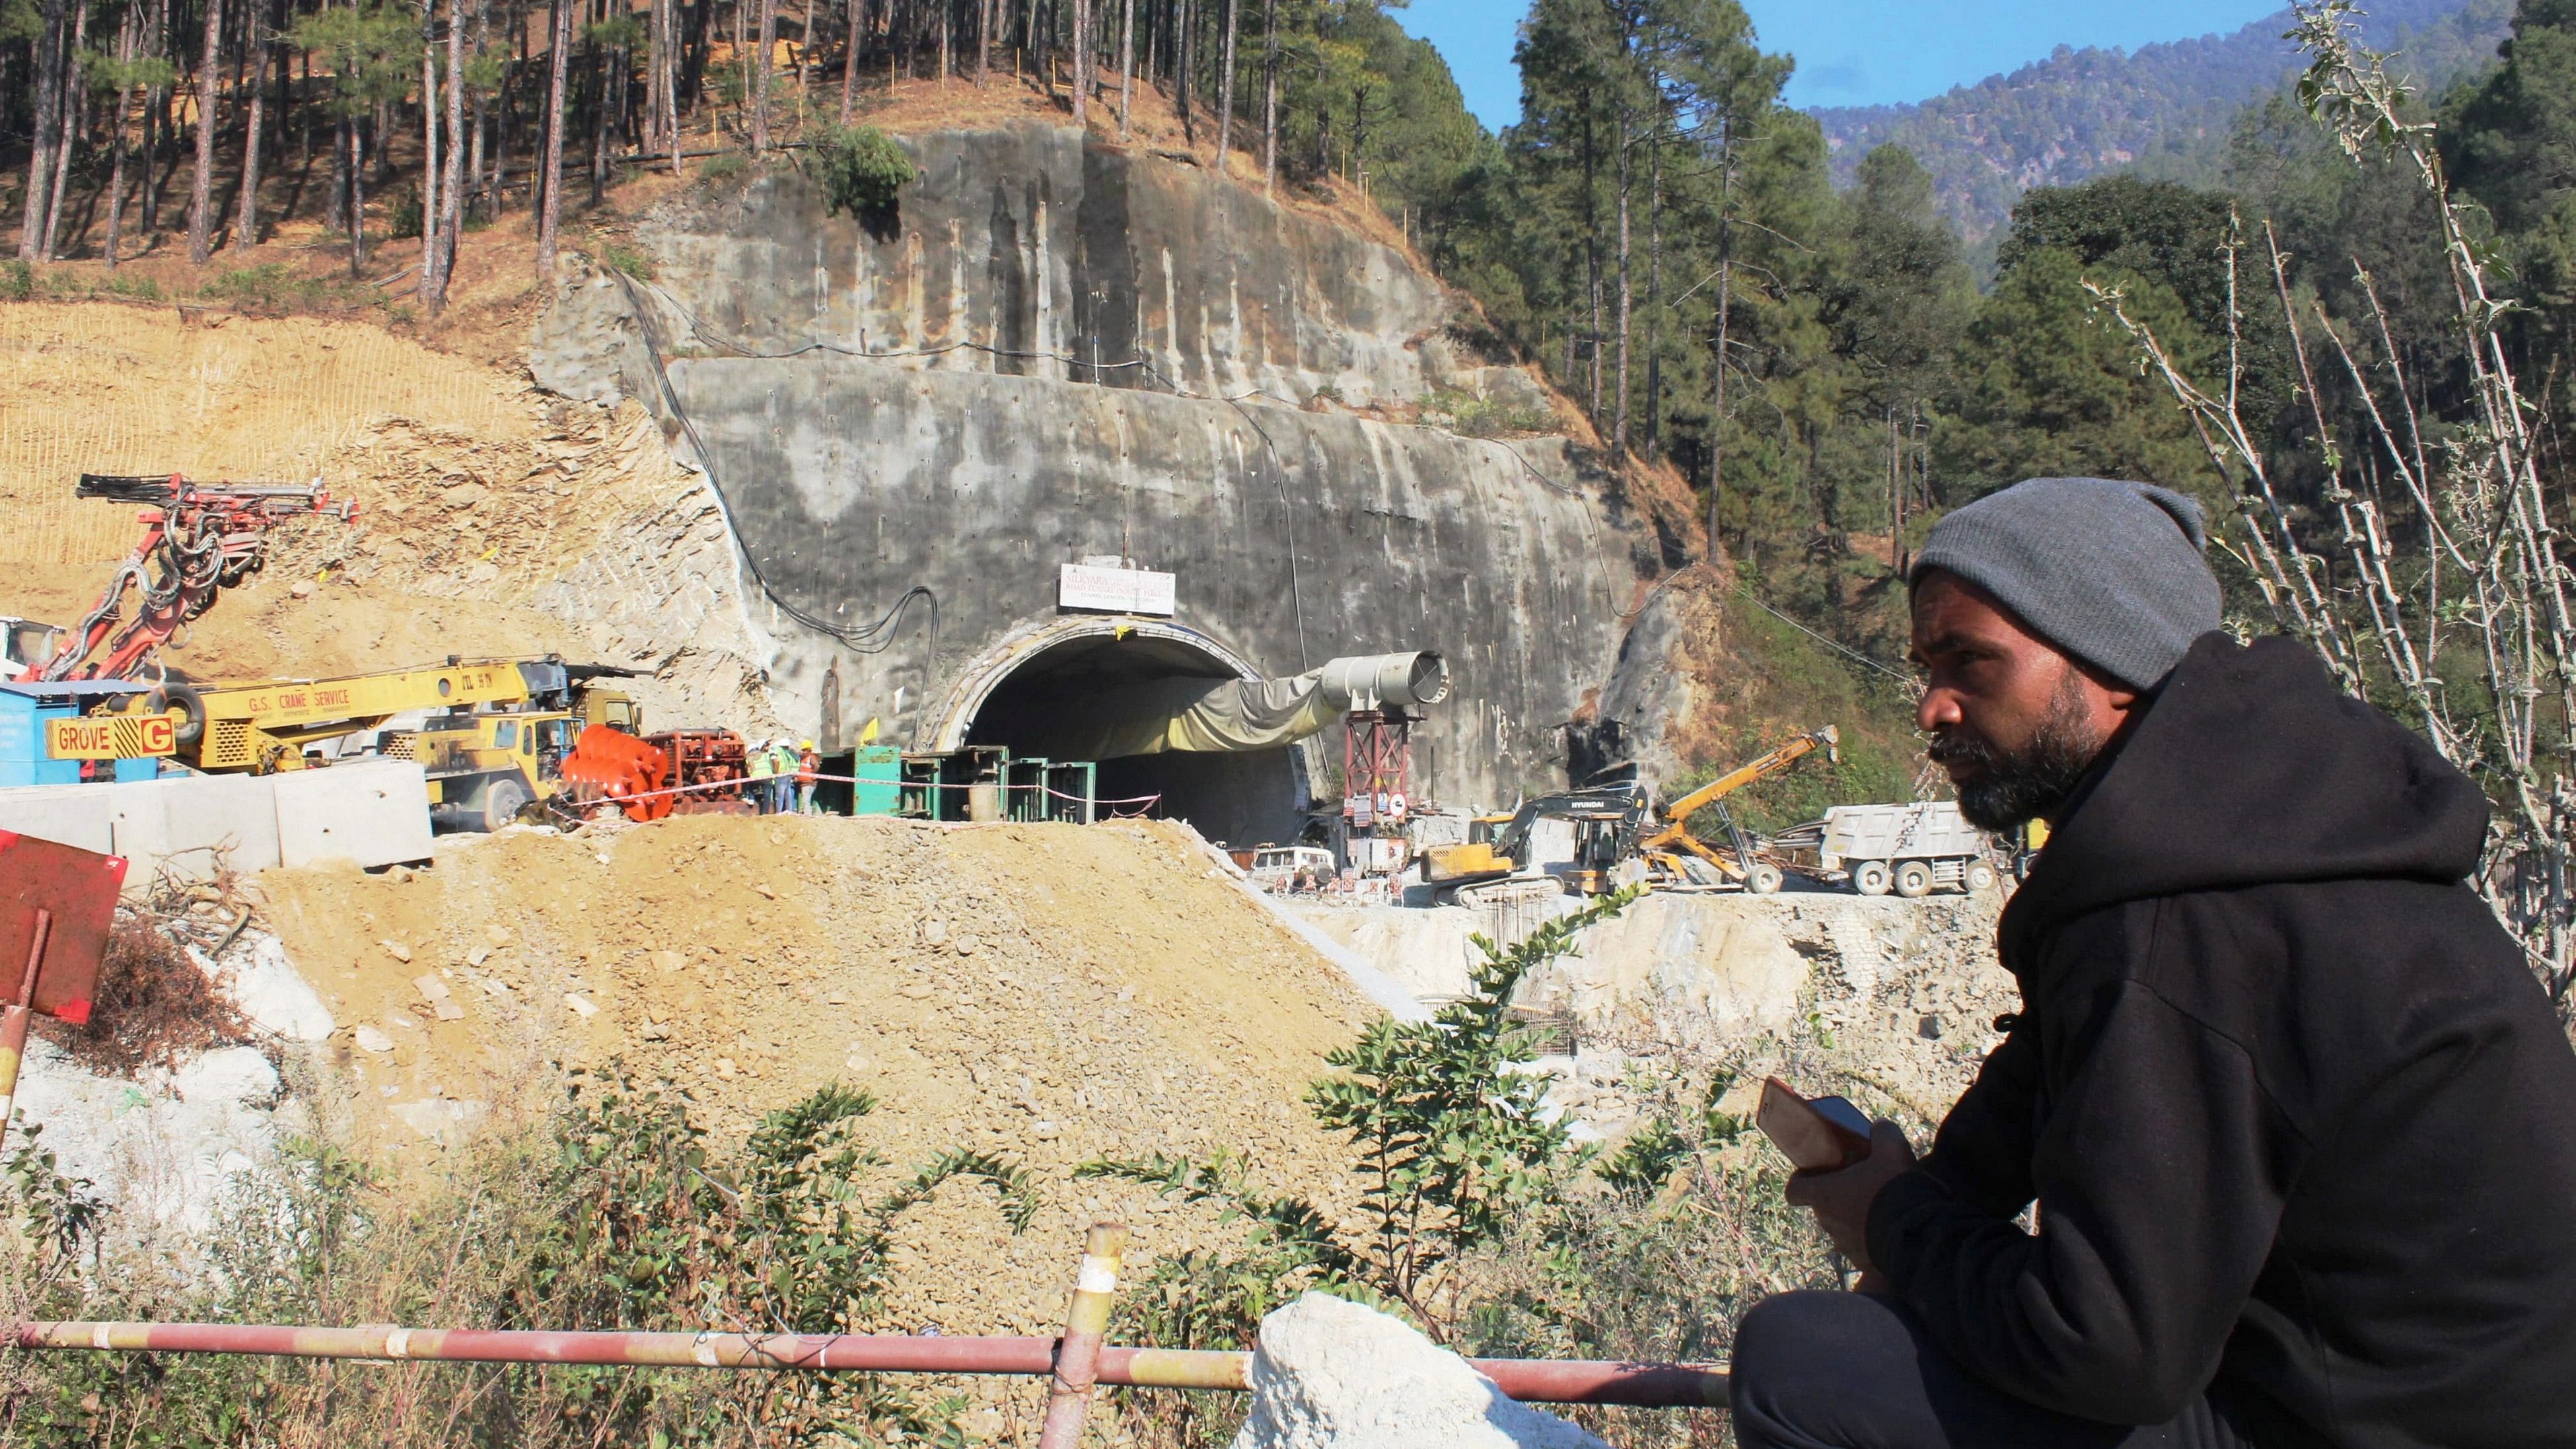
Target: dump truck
(1911, 849)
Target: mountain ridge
(2088, 112)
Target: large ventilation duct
(1385, 681)
(1211, 716)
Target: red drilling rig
(198, 540)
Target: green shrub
(127, 284)
(725, 167)
(17, 280)
(1483, 417)
(618, 1212)
(630, 260)
(1450, 1145)
(861, 170)
(271, 287)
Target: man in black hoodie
(2295, 1125)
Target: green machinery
(977, 783)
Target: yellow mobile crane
(494, 740)
(1673, 833)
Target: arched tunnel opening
(1060, 699)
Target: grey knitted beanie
(2110, 572)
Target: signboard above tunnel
(1116, 590)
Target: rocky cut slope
(1062, 351)
(492, 519)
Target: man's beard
(2011, 789)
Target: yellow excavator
(1620, 834)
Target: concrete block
(75, 815)
(274, 995)
(188, 822)
(167, 1150)
(373, 812)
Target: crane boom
(1673, 830)
(1827, 739)
(263, 725)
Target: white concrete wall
(73, 815)
(188, 821)
(374, 813)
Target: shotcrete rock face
(1066, 351)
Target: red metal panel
(1651, 1385)
(79, 887)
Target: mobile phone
(1825, 1134)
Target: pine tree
(202, 187)
(550, 215)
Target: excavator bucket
(611, 767)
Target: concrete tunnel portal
(1066, 688)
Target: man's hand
(1841, 1199)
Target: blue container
(24, 708)
(22, 741)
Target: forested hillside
(2166, 108)
(1658, 210)
(1660, 232)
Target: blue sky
(1852, 52)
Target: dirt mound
(493, 519)
(1051, 992)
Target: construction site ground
(1049, 993)
(1896, 996)
(493, 520)
(1052, 993)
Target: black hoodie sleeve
(1981, 1156)
(2160, 1167)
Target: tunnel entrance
(1252, 798)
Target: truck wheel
(1914, 880)
(1981, 877)
(1764, 879)
(179, 695)
(1870, 877)
(502, 803)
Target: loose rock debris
(1053, 993)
